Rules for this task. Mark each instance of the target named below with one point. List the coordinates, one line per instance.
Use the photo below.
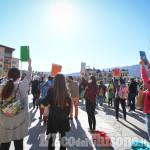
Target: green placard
(24, 53)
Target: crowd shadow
(138, 131)
(78, 132)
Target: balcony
(7, 62)
(6, 68)
(6, 57)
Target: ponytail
(13, 75)
(7, 90)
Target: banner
(55, 69)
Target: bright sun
(62, 15)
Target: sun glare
(62, 15)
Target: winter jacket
(133, 87)
(58, 120)
(35, 87)
(90, 92)
(146, 81)
(45, 86)
(16, 127)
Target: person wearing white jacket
(14, 126)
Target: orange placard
(116, 72)
(55, 69)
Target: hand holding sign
(143, 57)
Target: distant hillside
(134, 71)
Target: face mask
(90, 81)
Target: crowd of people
(55, 99)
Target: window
(7, 56)
(1, 59)
(14, 62)
(1, 66)
(5, 67)
(1, 53)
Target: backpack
(140, 145)
(123, 92)
(12, 105)
(101, 92)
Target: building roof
(6, 47)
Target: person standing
(82, 87)
(90, 96)
(132, 94)
(110, 97)
(14, 119)
(35, 89)
(120, 95)
(101, 93)
(59, 100)
(146, 109)
(74, 90)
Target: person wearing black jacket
(58, 98)
(132, 94)
(35, 89)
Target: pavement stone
(133, 128)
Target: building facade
(105, 76)
(6, 59)
(15, 63)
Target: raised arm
(144, 75)
(83, 79)
(24, 84)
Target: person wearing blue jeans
(131, 99)
(147, 119)
(99, 100)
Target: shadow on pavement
(138, 131)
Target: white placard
(83, 65)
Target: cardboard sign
(38, 74)
(24, 53)
(55, 69)
(116, 72)
(83, 66)
(143, 57)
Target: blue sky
(102, 33)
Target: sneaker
(44, 124)
(91, 131)
(40, 118)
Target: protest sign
(55, 69)
(24, 54)
(83, 66)
(116, 72)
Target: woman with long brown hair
(59, 100)
(14, 115)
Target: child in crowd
(110, 97)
